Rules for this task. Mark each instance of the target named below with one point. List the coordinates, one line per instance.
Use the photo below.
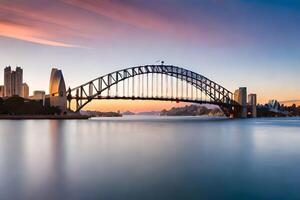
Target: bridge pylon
(240, 96)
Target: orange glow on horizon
(129, 105)
(143, 105)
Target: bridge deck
(172, 99)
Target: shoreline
(42, 117)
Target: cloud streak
(30, 34)
(78, 23)
(57, 25)
(125, 13)
(166, 23)
(137, 16)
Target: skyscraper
(13, 81)
(18, 81)
(7, 81)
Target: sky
(233, 42)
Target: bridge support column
(240, 96)
(252, 102)
(77, 99)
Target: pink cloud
(148, 19)
(22, 32)
(131, 15)
(76, 23)
(54, 26)
(67, 19)
(125, 13)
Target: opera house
(57, 90)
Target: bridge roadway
(172, 99)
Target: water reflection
(11, 158)
(150, 158)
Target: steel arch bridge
(154, 82)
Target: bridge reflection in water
(155, 82)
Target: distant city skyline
(236, 43)
(13, 84)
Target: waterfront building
(57, 90)
(38, 95)
(1, 90)
(252, 102)
(25, 91)
(13, 81)
(240, 96)
(274, 105)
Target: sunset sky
(253, 43)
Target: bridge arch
(165, 78)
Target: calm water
(150, 158)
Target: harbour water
(150, 158)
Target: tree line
(16, 105)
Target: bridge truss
(153, 82)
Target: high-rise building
(13, 81)
(18, 81)
(25, 91)
(7, 81)
(1, 90)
